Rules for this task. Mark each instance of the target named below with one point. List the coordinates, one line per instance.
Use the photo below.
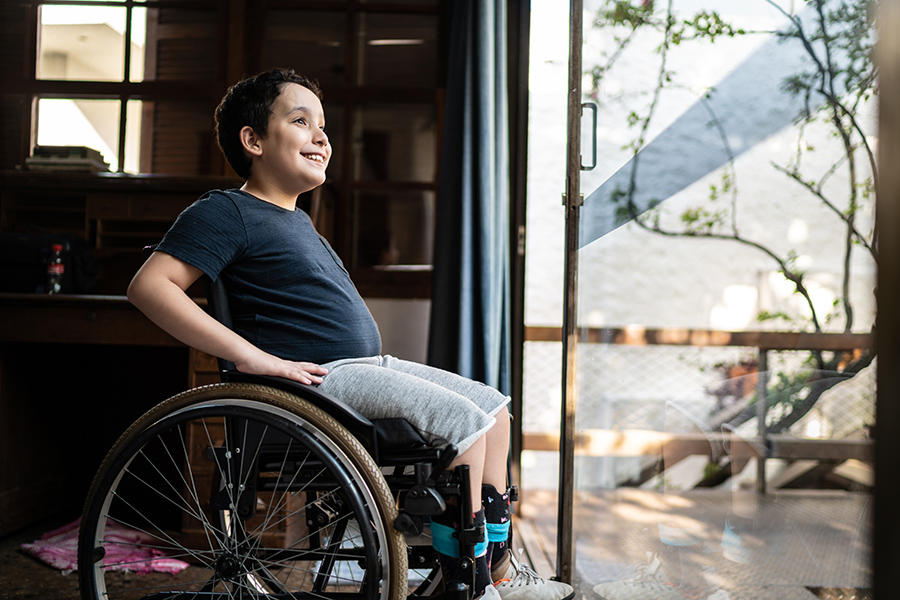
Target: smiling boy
(296, 313)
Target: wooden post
(762, 405)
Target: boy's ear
(250, 141)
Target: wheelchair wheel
(247, 492)
(424, 575)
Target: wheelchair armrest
(357, 424)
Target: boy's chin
(313, 182)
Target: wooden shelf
(116, 214)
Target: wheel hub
(227, 566)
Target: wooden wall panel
(183, 142)
(185, 48)
(15, 112)
(15, 109)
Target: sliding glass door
(720, 257)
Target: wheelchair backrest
(217, 303)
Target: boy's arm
(158, 290)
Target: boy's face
(296, 148)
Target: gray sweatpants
(444, 407)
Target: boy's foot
(651, 583)
(515, 581)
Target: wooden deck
(807, 545)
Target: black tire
(323, 527)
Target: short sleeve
(207, 235)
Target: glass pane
(388, 231)
(400, 50)
(725, 383)
(310, 42)
(83, 43)
(90, 123)
(395, 142)
(133, 116)
(138, 42)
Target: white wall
(403, 325)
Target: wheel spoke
(179, 477)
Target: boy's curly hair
(249, 102)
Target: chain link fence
(685, 390)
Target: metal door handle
(593, 107)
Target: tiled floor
(806, 545)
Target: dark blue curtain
(469, 332)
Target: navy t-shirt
(289, 292)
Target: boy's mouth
(317, 158)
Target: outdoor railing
(641, 442)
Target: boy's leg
(439, 413)
(512, 580)
(444, 406)
(496, 452)
(497, 523)
(445, 539)
(485, 397)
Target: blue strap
(497, 532)
(481, 548)
(444, 540)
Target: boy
(297, 314)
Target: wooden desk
(109, 320)
(75, 371)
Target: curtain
(469, 329)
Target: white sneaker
(489, 593)
(520, 582)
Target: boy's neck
(271, 194)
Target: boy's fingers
(313, 368)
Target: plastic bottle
(55, 270)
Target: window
(91, 43)
(137, 81)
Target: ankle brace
(497, 522)
(445, 537)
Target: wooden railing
(600, 442)
(764, 340)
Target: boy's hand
(266, 364)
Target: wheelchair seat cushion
(397, 434)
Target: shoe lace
(525, 575)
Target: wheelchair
(270, 489)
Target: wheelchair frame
(296, 495)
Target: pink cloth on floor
(59, 549)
